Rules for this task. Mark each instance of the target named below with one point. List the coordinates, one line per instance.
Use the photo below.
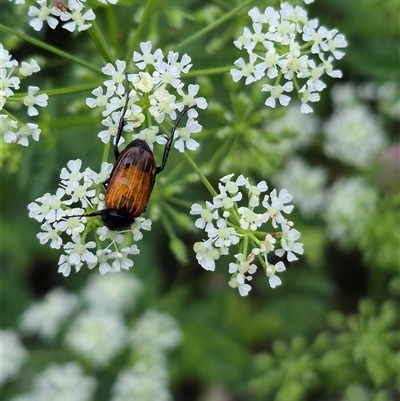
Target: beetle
(132, 178)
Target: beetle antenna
(171, 138)
(122, 119)
(93, 214)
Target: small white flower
(150, 135)
(250, 219)
(243, 267)
(21, 136)
(73, 224)
(74, 174)
(190, 99)
(42, 15)
(121, 258)
(140, 223)
(162, 103)
(289, 244)
(184, 136)
(50, 234)
(306, 95)
(102, 259)
(30, 100)
(117, 76)
(144, 82)
(79, 253)
(27, 69)
(277, 206)
(6, 60)
(50, 207)
(317, 37)
(239, 283)
(334, 42)
(277, 92)
(207, 215)
(147, 58)
(77, 20)
(273, 279)
(166, 74)
(183, 65)
(206, 255)
(100, 99)
(64, 266)
(223, 235)
(249, 70)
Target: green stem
(202, 177)
(167, 225)
(98, 39)
(106, 151)
(209, 71)
(56, 92)
(49, 48)
(139, 31)
(112, 29)
(216, 23)
(179, 202)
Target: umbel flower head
(156, 92)
(290, 50)
(229, 225)
(11, 73)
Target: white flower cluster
(11, 72)
(351, 203)
(58, 382)
(287, 45)
(45, 318)
(12, 355)
(227, 224)
(96, 328)
(155, 334)
(353, 133)
(293, 130)
(142, 381)
(306, 183)
(97, 336)
(158, 91)
(61, 215)
(73, 13)
(117, 293)
(79, 191)
(151, 338)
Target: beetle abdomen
(132, 179)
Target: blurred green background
(234, 348)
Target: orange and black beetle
(132, 178)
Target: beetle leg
(105, 184)
(170, 140)
(121, 120)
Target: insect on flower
(60, 4)
(132, 178)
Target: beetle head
(116, 220)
